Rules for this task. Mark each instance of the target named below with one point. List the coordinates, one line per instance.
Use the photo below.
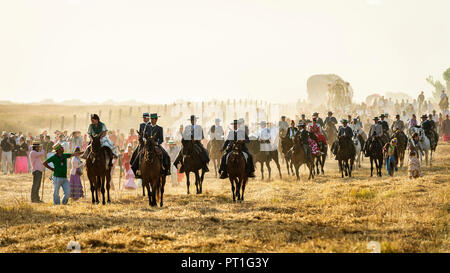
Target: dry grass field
(328, 214)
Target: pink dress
(129, 184)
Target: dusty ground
(328, 214)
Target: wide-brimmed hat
(330, 113)
(424, 116)
(283, 116)
(376, 118)
(300, 124)
(36, 143)
(145, 115)
(382, 116)
(193, 117)
(344, 121)
(315, 114)
(234, 122)
(154, 115)
(57, 146)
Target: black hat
(424, 116)
(376, 118)
(234, 122)
(382, 116)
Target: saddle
(243, 153)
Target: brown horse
(263, 157)
(236, 171)
(299, 158)
(286, 144)
(214, 148)
(98, 170)
(192, 163)
(402, 143)
(331, 133)
(151, 172)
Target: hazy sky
(159, 51)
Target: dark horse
(214, 147)
(192, 163)
(236, 171)
(98, 170)
(151, 172)
(374, 150)
(286, 144)
(402, 142)
(299, 158)
(263, 157)
(345, 155)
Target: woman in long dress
(21, 165)
(76, 189)
(446, 128)
(129, 175)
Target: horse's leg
(92, 188)
(268, 168)
(341, 168)
(215, 167)
(97, 186)
(238, 188)
(262, 170)
(232, 188)
(154, 190)
(187, 181)
(102, 188)
(371, 167)
(108, 187)
(143, 189)
(244, 183)
(278, 165)
(146, 184)
(197, 182)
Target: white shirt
(76, 163)
(264, 134)
(198, 132)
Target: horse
(236, 171)
(192, 164)
(214, 148)
(263, 157)
(331, 133)
(98, 170)
(286, 145)
(425, 145)
(358, 148)
(443, 105)
(298, 158)
(345, 156)
(375, 152)
(150, 167)
(402, 143)
(319, 160)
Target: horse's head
(237, 146)
(96, 144)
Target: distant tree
(438, 87)
(446, 77)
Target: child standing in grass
(414, 165)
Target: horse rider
(303, 134)
(357, 128)
(98, 128)
(194, 133)
(146, 129)
(241, 123)
(319, 120)
(316, 128)
(330, 119)
(303, 119)
(429, 126)
(264, 137)
(345, 132)
(291, 131)
(398, 124)
(376, 133)
(216, 131)
(384, 125)
(235, 135)
(283, 124)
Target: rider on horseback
(236, 135)
(330, 119)
(304, 136)
(194, 133)
(429, 126)
(98, 129)
(385, 127)
(216, 131)
(357, 129)
(344, 132)
(146, 129)
(264, 137)
(375, 134)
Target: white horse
(358, 148)
(424, 143)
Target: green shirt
(59, 164)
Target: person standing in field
(76, 189)
(446, 128)
(7, 148)
(59, 170)
(37, 169)
(21, 165)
